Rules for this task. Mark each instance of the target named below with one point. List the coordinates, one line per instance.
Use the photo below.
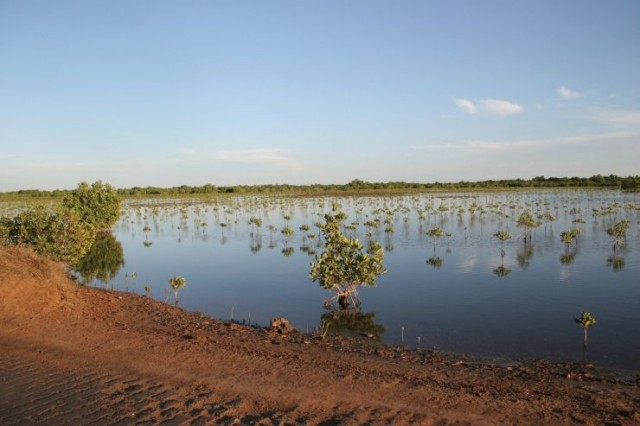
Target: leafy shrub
(59, 235)
(97, 204)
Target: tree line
(630, 183)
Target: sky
(166, 93)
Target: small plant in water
(176, 283)
(585, 320)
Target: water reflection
(475, 256)
(351, 323)
(616, 262)
(288, 251)
(502, 271)
(524, 255)
(568, 256)
(435, 261)
(103, 261)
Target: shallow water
(239, 271)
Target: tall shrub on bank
(58, 234)
(97, 204)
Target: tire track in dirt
(33, 393)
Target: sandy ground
(74, 355)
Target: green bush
(97, 204)
(59, 235)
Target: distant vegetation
(631, 183)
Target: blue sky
(167, 93)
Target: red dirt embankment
(78, 355)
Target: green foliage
(435, 233)
(287, 231)
(618, 232)
(177, 282)
(58, 235)
(103, 261)
(97, 204)
(585, 321)
(256, 221)
(527, 221)
(359, 186)
(567, 237)
(344, 266)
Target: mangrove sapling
(528, 222)
(618, 232)
(503, 236)
(585, 320)
(435, 234)
(344, 266)
(176, 283)
(287, 232)
(146, 231)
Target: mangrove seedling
(176, 283)
(344, 265)
(585, 321)
(618, 232)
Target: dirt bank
(147, 362)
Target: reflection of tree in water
(103, 261)
(435, 261)
(288, 251)
(568, 257)
(616, 262)
(256, 244)
(388, 243)
(502, 271)
(525, 255)
(351, 323)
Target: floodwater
(460, 295)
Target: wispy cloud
(477, 147)
(618, 118)
(568, 94)
(489, 106)
(466, 105)
(501, 108)
(260, 156)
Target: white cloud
(568, 94)
(501, 108)
(466, 105)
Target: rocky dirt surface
(74, 355)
